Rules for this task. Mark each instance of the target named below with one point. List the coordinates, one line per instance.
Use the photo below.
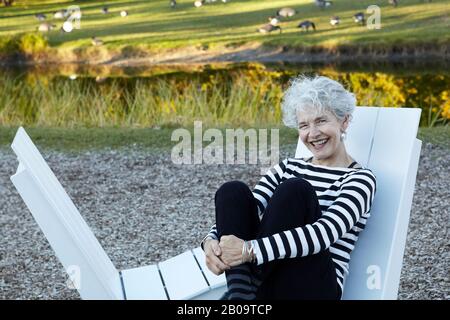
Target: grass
(140, 103)
(82, 139)
(439, 135)
(230, 96)
(154, 26)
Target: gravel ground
(144, 209)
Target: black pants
(293, 204)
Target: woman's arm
(266, 186)
(354, 201)
(212, 234)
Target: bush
(28, 44)
(8, 45)
(32, 43)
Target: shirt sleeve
(266, 186)
(353, 202)
(211, 234)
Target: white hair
(318, 94)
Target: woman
(291, 238)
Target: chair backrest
(383, 140)
(70, 237)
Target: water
(157, 95)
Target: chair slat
(379, 250)
(143, 283)
(183, 277)
(66, 247)
(214, 280)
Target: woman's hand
(213, 260)
(231, 247)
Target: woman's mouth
(318, 144)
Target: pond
(242, 94)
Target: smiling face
(321, 133)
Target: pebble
(145, 209)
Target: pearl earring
(343, 136)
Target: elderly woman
(291, 238)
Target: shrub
(32, 43)
(8, 45)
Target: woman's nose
(313, 131)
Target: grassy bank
(82, 139)
(153, 28)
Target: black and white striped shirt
(345, 196)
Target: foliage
(28, 44)
(243, 95)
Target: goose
(199, 3)
(334, 21)
(393, 2)
(40, 16)
(274, 20)
(105, 10)
(286, 12)
(323, 3)
(60, 14)
(267, 28)
(46, 27)
(173, 3)
(123, 13)
(359, 18)
(96, 41)
(305, 25)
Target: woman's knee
(293, 204)
(296, 187)
(232, 189)
(236, 210)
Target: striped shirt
(345, 197)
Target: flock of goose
(70, 15)
(306, 25)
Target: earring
(343, 136)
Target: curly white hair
(316, 94)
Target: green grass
(439, 135)
(82, 139)
(153, 25)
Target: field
(155, 27)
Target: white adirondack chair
(382, 139)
